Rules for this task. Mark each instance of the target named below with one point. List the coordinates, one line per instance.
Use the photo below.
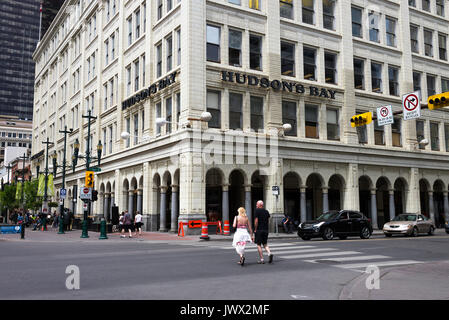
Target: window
(378, 134)
(446, 136)
(330, 64)
(434, 136)
(442, 41)
(159, 9)
(426, 5)
(235, 111)
(287, 59)
(130, 30)
(359, 74)
(393, 82)
(286, 8)
(289, 116)
(213, 106)
(391, 32)
(307, 11)
(136, 75)
(106, 45)
(416, 81)
(356, 14)
(143, 70)
(234, 1)
(444, 85)
(257, 113)
(376, 77)
(373, 19)
(333, 128)
(169, 53)
(178, 107)
(111, 85)
(128, 129)
(128, 79)
(311, 118)
(309, 55)
(396, 132)
(255, 52)
(137, 17)
(328, 14)
(412, 3)
(168, 113)
(430, 85)
(440, 7)
(169, 5)
(136, 129)
(178, 33)
(112, 47)
(420, 132)
(105, 90)
(428, 47)
(254, 4)
(159, 60)
(414, 38)
(213, 43)
(235, 48)
(110, 139)
(158, 115)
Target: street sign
(195, 224)
(62, 193)
(411, 106)
(384, 115)
(275, 190)
(85, 193)
(85, 206)
(95, 169)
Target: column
(139, 200)
(374, 209)
(174, 208)
(248, 206)
(391, 202)
(131, 202)
(431, 207)
(446, 206)
(225, 204)
(325, 199)
(303, 207)
(112, 203)
(163, 209)
(105, 206)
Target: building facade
(255, 66)
(14, 133)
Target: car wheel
(343, 237)
(365, 234)
(328, 234)
(388, 235)
(415, 232)
(431, 231)
(305, 238)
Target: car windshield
(405, 217)
(328, 216)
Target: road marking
(378, 264)
(374, 257)
(287, 250)
(325, 254)
(274, 245)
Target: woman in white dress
(241, 236)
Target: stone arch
(384, 204)
(365, 206)
(237, 182)
(316, 199)
(292, 195)
(257, 192)
(336, 191)
(439, 189)
(400, 195)
(214, 194)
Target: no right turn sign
(411, 106)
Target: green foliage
(32, 201)
(8, 197)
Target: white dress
(241, 238)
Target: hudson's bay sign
(276, 85)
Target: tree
(32, 201)
(8, 199)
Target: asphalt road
(410, 268)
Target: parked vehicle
(342, 224)
(409, 224)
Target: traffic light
(94, 195)
(89, 179)
(438, 101)
(361, 119)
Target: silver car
(409, 224)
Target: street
(410, 268)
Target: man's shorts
(261, 237)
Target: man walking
(261, 218)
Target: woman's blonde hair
(242, 212)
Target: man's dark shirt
(262, 216)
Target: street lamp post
(45, 204)
(22, 229)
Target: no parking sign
(384, 115)
(411, 106)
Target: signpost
(384, 115)
(411, 106)
(62, 193)
(85, 193)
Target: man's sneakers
(270, 258)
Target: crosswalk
(340, 258)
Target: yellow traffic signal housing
(89, 182)
(361, 119)
(438, 101)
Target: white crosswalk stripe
(351, 258)
(378, 264)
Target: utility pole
(22, 230)
(61, 208)
(45, 204)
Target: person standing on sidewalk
(241, 236)
(121, 228)
(128, 223)
(138, 223)
(261, 218)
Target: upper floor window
(373, 19)
(169, 49)
(159, 60)
(328, 14)
(356, 14)
(235, 111)
(412, 3)
(254, 4)
(255, 52)
(431, 90)
(234, 2)
(308, 11)
(309, 63)
(416, 81)
(420, 132)
(391, 32)
(426, 5)
(159, 9)
(376, 77)
(235, 48)
(359, 74)
(169, 5)
(311, 117)
(414, 39)
(213, 106)
(289, 116)
(137, 17)
(286, 8)
(287, 59)
(333, 128)
(393, 80)
(330, 64)
(440, 7)
(428, 43)
(213, 43)
(256, 113)
(434, 136)
(442, 42)
(396, 132)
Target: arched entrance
(214, 194)
(166, 203)
(292, 195)
(400, 194)
(257, 191)
(438, 198)
(156, 204)
(237, 182)
(424, 191)
(314, 196)
(365, 186)
(336, 192)
(383, 201)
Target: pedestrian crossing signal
(361, 119)
(438, 101)
(89, 182)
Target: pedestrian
(261, 218)
(55, 221)
(241, 235)
(66, 221)
(20, 219)
(120, 224)
(71, 219)
(127, 223)
(287, 224)
(138, 223)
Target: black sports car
(342, 224)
